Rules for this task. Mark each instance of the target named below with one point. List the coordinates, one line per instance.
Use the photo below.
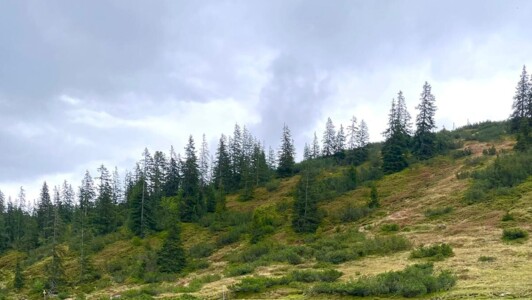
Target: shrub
(486, 259)
(329, 275)
(507, 217)
(413, 281)
(273, 185)
(232, 236)
(241, 269)
(436, 212)
(201, 250)
(351, 213)
(434, 252)
(511, 234)
(392, 227)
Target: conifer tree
(204, 163)
(55, 269)
(68, 197)
(173, 177)
(45, 214)
(105, 216)
(424, 142)
(306, 152)
(18, 282)
(305, 217)
(352, 133)
(222, 168)
(3, 228)
(329, 139)
(191, 208)
(286, 154)
(340, 140)
(395, 148)
(362, 136)
(521, 118)
(315, 147)
(171, 257)
(117, 191)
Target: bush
(392, 227)
(238, 270)
(351, 213)
(436, 212)
(413, 281)
(434, 252)
(313, 276)
(486, 259)
(507, 217)
(273, 185)
(461, 153)
(232, 236)
(201, 250)
(511, 234)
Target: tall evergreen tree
(204, 163)
(340, 139)
(521, 118)
(55, 270)
(286, 154)
(424, 142)
(171, 257)
(352, 133)
(222, 168)
(105, 215)
(173, 176)
(191, 208)
(315, 147)
(362, 136)
(45, 214)
(118, 192)
(3, 228)
(305, 217)
(395, 148)
(68, 198)
(329, 139)
(306, 152)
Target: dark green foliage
(436, 212)
(396, 147)
(201, 250)
(232, 236)
(392, 227)
(305, 217)
(424, 141)
(286, 155)
(329, 275)
(18, 282)
(171, 258)
(374, 197)
(487, 131)
(140, 214)
(352, 213)
(435, 252)
(413, 281)
(264, 222)
(462, 153)
(490, 151)
(510, 234)
(487, 259)
(507, 217)
(192, 206)
(507, 171)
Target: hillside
(424, 204)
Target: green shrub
(240, 269)
(507, 217)
(434, 252)
(273, 185)
(201, 250)
(329, 275)
(486, 259)
(392, 227)
(413, 281)
(511, 234)
(352, 213)
(232, 236)
(436, 212)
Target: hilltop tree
(55, 270)
(521, 118)
(222, 167)
(352, 133)
(329, 139)
(424, 141)
(45, 214)
(315, 147)
(172, 180)
(204, 163)
(191, 208)
(395, 148)
(340, 140)
(306, 152)
(171, 257)
(286, 154)
(104, 217)
(362, 136)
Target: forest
(63, 244)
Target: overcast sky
(89, 82)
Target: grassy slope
(472, 230)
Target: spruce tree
(55, 270)
(191, 208)
(222, 168)
(352, 133)
(45, 214)
(396, 146)
(173, 177)
(340, 140)
(424, 141)
(521, 118)
(18, 282)
(286, 154)
(105, 215)
(204, 163)
(306, 152)
(305, 216)
(315, 147)
(171, 258)
(362, 136)
(329, 139)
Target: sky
(85, 83)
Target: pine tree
(44, 214)
(173, 176)
(18, 282)
(305, 217)
(306, 152)
(521, 118)
(374, 197)
(3, 228)
(222, 168)
(315, 147)
(362, 136)
(236, 155)
(424, 142)
(272, 159)
(171, 257)
(68, 196)
(352, 133)
(204, 163)
(329, 139)
(191, 208)
(340, 140)
(117, 191)
(395, 148)
(55, 269)
(105, 216)
(286, 154)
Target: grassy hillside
(423, 205)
